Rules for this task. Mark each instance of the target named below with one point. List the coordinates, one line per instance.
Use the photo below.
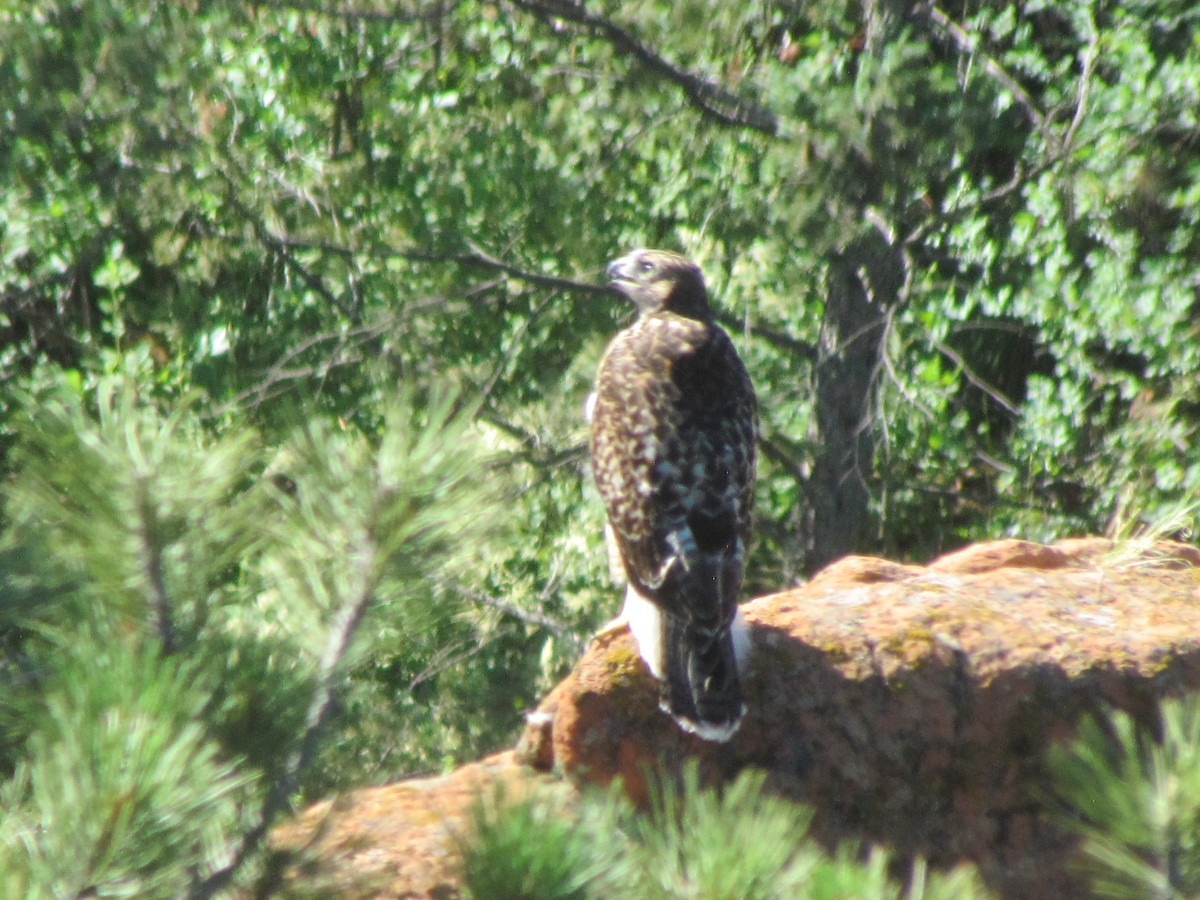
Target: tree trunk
(861, 285)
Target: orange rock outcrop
(909, 706)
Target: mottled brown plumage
(674, 427)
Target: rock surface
(909, 706)
(399, 840)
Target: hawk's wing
(674, 428)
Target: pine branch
(150, 560)
(320, 707)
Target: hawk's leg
(616, 572)
(643, 619)
(612, 626)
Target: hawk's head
(660, 280)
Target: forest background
(300, 303)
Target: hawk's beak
(616, 270)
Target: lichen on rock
(912, 706)
(908, 706)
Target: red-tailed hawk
(674, 427)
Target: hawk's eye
(645, 266)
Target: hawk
(674, 424)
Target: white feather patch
(718, 733)
(740, 632)
(616, 568)
(648, 628)
(645, 621)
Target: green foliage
(695, 842)
(1136, 802)
(182, 624)
(737, 843)
(121, 792)
(278, 194)
(223, 260)
(538, 846)
(133, 504)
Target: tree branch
(712, 100)
(475, 257)
(529, 617)
(1020, 177)
(283, 248)
(780, 339)
(955, 357)
(150, 552)
(283, 371)
(1087, 67)
(320, 706)
(784, 452)
(970, 45)
(535, 450)
(480, 258)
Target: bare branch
(294, 243)
(970, 45)
(712, 100)
(480, 258)
(283, 370)
(953, 355)
(475, 257)
(1020, 177)
(1085, 84)
(898, 382)
(283, 247)
(346, 350)
(784, 451)
(444, 659)
(313, 281)
(780, 339)
(991, 500)
(545, 458)
(530, 617)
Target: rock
(909, 706)
(397, 841)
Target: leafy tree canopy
(292, 293)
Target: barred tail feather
(702, 691)
(699, 672)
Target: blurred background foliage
(299, 305)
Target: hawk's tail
(701, 686)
